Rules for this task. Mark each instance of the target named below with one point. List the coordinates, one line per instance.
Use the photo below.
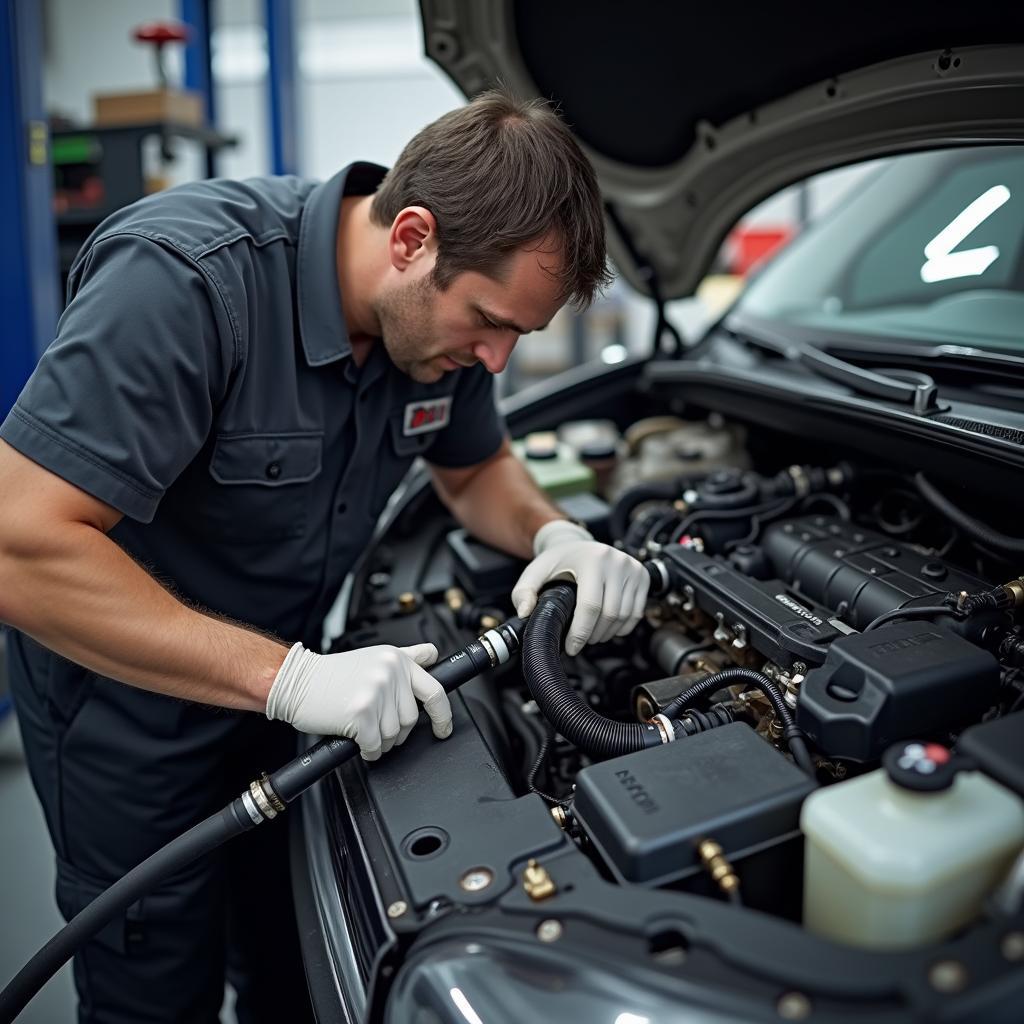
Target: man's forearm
(501, 504)
(80, 595)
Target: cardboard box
(120, 108)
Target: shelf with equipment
(100, 169)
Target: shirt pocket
(262, 486)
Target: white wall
(89, 49)
(364, 85)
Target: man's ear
(413, 237)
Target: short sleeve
(475, 429)
(124, 397)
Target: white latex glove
(368, 695)
(611, 586)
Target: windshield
(930, 249)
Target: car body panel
(714, 118)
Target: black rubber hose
(971, 526)
(646, 527)
(727, 677)
(199, 840)
(560, 704)
(619, 518)
(659, 490)
(287, 783)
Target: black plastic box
(998, 748)
(481, 570)
(904, 680)
(646, 812)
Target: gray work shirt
(202, 383)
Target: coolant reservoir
(554, 465)
(903, 856)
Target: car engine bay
(817, 725)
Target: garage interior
(794, 408)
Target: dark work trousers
(120, 772)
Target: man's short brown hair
(498, 174)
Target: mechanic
(243, 373)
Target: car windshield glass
(930, 248)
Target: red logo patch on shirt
(426, 415)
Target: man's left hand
(611, 587)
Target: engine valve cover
(859, 573)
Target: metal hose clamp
(265, 806)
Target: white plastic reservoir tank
(890, 867)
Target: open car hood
(693, 113)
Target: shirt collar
(321, 321)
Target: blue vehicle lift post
(281, 85)
(198, 15)
(29, 280)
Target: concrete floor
(28, 913)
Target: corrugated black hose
(598, 735)
(560, 704)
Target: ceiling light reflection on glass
(467, 1011)
(612, 354)
(944, 264)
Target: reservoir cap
(924, 767)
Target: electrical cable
(531, 779)
(264, 800)
(925, 611)
(757, 521)
(733, 513)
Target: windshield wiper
(968, 357)
(906, 387)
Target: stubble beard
(406, 318)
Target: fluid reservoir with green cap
(903, 856)
(554, 465)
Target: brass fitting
(561, 818)
(537, 883)
(407, 602)
(1015, 591)
(454, 598)
(715, 863)
(488, 622)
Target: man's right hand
(368, 695)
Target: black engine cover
(856, 572)
(904, 680)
